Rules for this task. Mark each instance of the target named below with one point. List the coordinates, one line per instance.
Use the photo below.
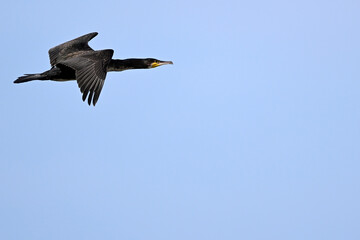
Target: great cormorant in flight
(75, 60)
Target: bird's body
(75, 60)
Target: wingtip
(93, 34)
(94, 102)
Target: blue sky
(253, 133)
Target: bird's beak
(165, 62)
(160, 63)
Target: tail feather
(29, 77)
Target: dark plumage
(75, 60)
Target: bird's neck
(117, 65)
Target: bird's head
(153, 63)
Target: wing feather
(70, 48)
(97, 92)
(90, 70)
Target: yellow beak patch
(155, 64)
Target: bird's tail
(30, 77)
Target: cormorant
(75, 60)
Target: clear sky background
(253, 133)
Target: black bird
(75, 60)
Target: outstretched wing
(70, 48)
(90, 70)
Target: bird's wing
(67, 49)
(90, 70)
